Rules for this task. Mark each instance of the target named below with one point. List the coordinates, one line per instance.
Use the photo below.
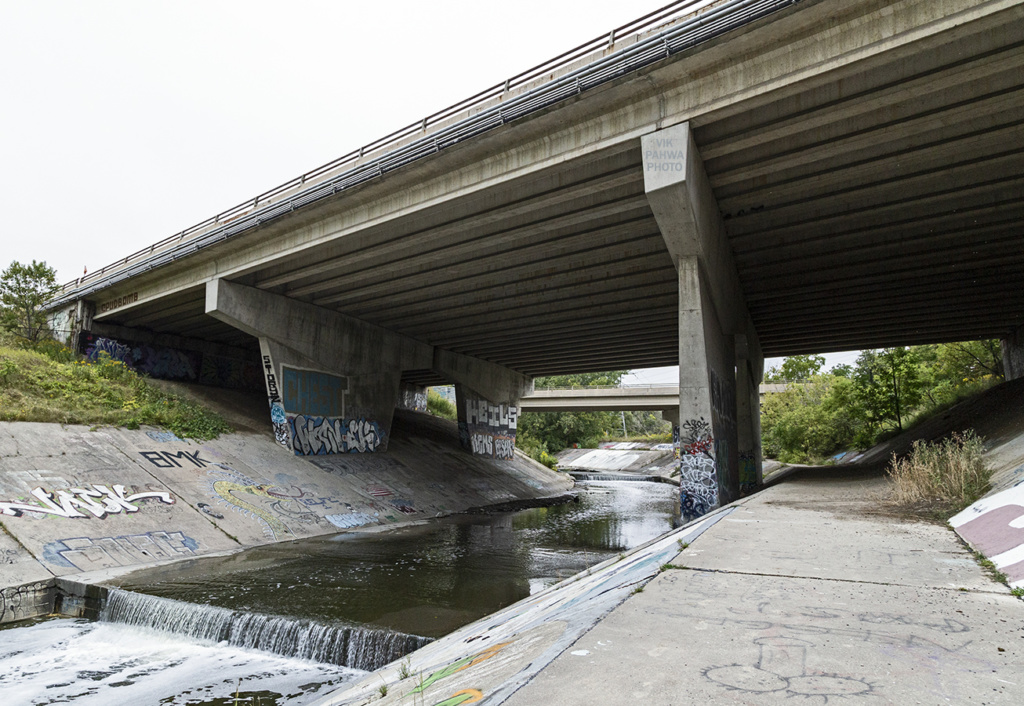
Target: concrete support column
(1013, 355)
(749, 371)
(332, 381)
(486, 398)
(712, 313)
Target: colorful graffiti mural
(316, 436)
(86, 553)
(698, 478)
(167, 363)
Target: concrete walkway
(808, 592)
(805, 590)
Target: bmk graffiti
(698, 481)
(489, 429)
(316, 436)
(97, 500)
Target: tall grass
(439, 406)
(949, 474)
(48, 382)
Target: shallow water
(424, 580)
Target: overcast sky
(125, 122)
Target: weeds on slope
(944, 476)
(49, 383)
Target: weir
(347, 646)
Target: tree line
(821, 413)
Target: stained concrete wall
(76, 500)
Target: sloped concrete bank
(76, 500)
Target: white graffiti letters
(489, 429)
(98, 501)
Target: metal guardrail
(716, 19)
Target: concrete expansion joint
(838, 580)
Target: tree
(554, 431)
(887, 385)
(796, 368)
(24, 290)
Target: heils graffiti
(489, 429)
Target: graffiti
(403, 506)
(782, 670)
(350, 519)
(277, 416)
(748, 473)
(86, 553)
(378, 491)
(27, 601)
(995, 527)
(172, 363)
(414, 399)
(466, 696)
(173, 459)
(8, 556)
(162, 436)
(313, 393)
(460, 665)
(204, 508)
(70, 503)
(119, 302)
(267, 503)
(698, 481)
(116, 351)
(316, 436)
(489, 429)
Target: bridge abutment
(332, 381)
(719, 354)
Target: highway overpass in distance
(704, 187)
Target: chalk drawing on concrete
(317, 436)
(86, 553)
(96, 500)
(782, 670)
(698, 477)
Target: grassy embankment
(48, 382)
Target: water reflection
(425, 580)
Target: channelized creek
(290, 622)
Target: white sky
(124, 122)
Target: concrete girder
(518, 256)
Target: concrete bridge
(706, 186)
(632, 398)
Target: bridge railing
(719, 16)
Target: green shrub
(439, 406)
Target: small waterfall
(356, 647)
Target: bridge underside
(877, 204)
(838, 175)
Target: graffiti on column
(748, 473)
(698, 481)
(316, 436)
(277, 416)
(489, 429)
(414, 399)
(723, 421)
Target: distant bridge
(631, 398)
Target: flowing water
(283, 619)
